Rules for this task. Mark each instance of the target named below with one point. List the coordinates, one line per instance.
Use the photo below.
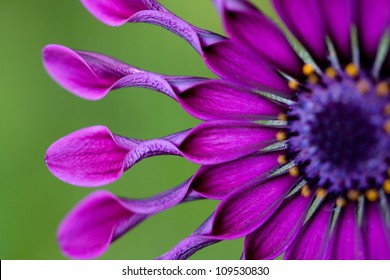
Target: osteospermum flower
(295, 145)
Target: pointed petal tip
(87, 231)
(88, 157)
(73, 73)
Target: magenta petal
(220, 141)
(149, 11)
(312, 240)
(338, 16)
(244, 210)
(222, 56)
(99, 219)
(88, 229)
(346, 241)
(250, 28)
(92, 76)
(214, 99)
(117, 12)
(373, 19)
(304, 19)
(93, 156)
(376, 233)
(217, 181)
(188, 247)
(232, 62)
(274, 237)
(88, 157)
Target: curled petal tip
(117, 12)
(90, 227)
(72, 72)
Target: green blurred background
(35, 112)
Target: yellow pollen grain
(382, 89)
(281, 135)
(386, 126)
(386, 110)
(386, 186)
(372, 195)
(330, 72)
(283, 117)
(305, 191)
(341, 202)
(353, 195)
(363, 86)
(294, 171)
(307, 69)
(293, 84)
(282, 159)
(321, 193)
(313, 79)
(352, 70)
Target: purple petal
(304, 19)
(230, 61)
(188, 247)
(220, 141)
(338, 16)
(346, 241)
(217, 181)
(93, 156)
(376, 233)
(89, 157)
(312, 239)
(118, 12)
(89, 228)
(244, 210)
(250, 28)
(274, 237)
(193, 243)
(92, 75)
(222, 56)
(149, 11)
(373, 19)
(99, 219)
(215, 99)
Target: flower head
(295, 144)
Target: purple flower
(295, 144)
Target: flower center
(339, 134)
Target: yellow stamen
(282, 159)
(341, 202)
(363, 86)
(294, 171)
(305, 191)
(372, 195)
(283, 117)
(387, 109)
(352, 70)
(382, 89)
(353, 195)
(293, 84)
(307, 69)
(281, 135)
(330, 72)
(386, 186)
(321, 193)
(313, 79)
(386, 126)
